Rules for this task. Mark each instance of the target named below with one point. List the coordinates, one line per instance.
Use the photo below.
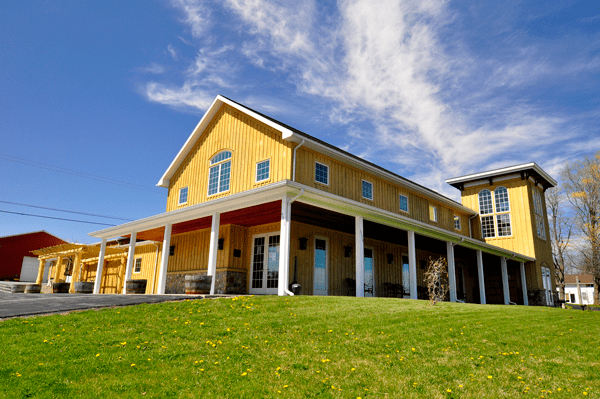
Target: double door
(265, 264)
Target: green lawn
(304, 347)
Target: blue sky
(428, 89)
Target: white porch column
(412, 264)
(524, 285)
(213, 250)
(360, 255)
(99, 268)
(481, 277)
(164, 261)
(505, 281)
(284, 246)
(130, 256)
(451, 271)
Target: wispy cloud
(395, 72)
(154, 68)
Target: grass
(303, 347)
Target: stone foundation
(537, 297)
(227, 282)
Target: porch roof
(274, 192)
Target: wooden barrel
(196, 284)
(135, 286)
(17, 288)
(33, 288)
(83, 287)
(60, 288)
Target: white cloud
(430, 110)
(154, 68)
(172, 51)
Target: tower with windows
(512, 214)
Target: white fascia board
(296, 138)
(201, 127)
(350, 207)
(267, 193)
(507, 170)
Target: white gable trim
(201, 127)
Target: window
(262, 170)
(457, 222)
(433, 216)
(138, 265)
(403, 203)
(500, 206)
(367, 190)
(321, 173)
(219, 174)
(183, 194)
(539, 214)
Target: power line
(73, 172)
(63, 210)
(50, 217)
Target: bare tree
(561, 226)
(582, 183)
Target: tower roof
(525, 170)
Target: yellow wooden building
(259, 205)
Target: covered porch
(262, 240)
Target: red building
(16, 256)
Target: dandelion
(132, 364)
(244, 374)
(490, 377)
(449, 390)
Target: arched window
(488, 229)
(497, 211)
(502, 212)
(219, 173)
(485, 202)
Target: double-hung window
(433, 213)
(183, 196)
(367, 190)
(495, 213)
(457, 222)
(138, 265)
(403, 203)
(219, 173)
(262, 170)
(539, 214)
(321, 173)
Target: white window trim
(361, 189)
(186, 195)
(328, 177)
(135, 264)
(435, 213)
(407, 203)
(256, 171)
(459, 223)
(496, 214)
(219, 164)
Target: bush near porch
(302, 347)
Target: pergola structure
(81, 256)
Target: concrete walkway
(19, 305)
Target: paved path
(18, 305)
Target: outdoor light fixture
(390, 258)
(303, 242)
(172, 250)
(221, 242)
(347, 251)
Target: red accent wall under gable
(14, 248)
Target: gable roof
(294, 135)
(583, 278)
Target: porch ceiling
(251, 216)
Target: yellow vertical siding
(346, 181)
(249, 141)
